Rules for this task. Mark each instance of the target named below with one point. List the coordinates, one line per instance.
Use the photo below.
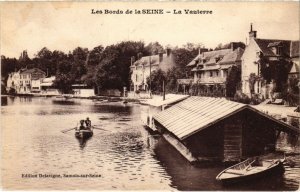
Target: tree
(154, 48)
(252, 80)
(182, 57)
(157, 77)
(8, 65)
(114, 67)
(276, 70)
(24, 60)
(233, 80)
(64, 77)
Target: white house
(13, 81)
(26, 80)
(82, 90)
(269, 49)
(141, 68)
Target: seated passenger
(81, 127)
(88, 122)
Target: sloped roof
(197, 113)
(233, 56)
(295, 68)
(194, 61)
(153, 58)
(265, 46)
(170, 98)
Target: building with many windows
(26, 80)
(140, 69)
(210, 68)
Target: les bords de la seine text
(151, 11)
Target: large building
(210, 68)
(268, 51)
(26, 80)
(141, 68)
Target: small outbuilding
(205, 128)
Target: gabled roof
(170, 98)
(295, 68)
(197, 113)
(222, 56)
(233, 56)
(266, 45)
(153, 58)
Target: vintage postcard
(158, 95)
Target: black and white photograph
(152, 95)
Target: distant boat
(85, 133)
(250, 169)
(64, 99)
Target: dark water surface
(125, 155)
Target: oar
(64, 131)
(100, 128)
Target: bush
(241, 97)
(255, 100)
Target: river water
(121, 156)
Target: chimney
(160, 55)
(252, 34)
(132, 60)
(168, 52)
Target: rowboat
(251, 168)
(83, 133)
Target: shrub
(241, 97)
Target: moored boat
(250, 169)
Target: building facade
(26, 80)
(140, 69)
(260, 54)
(210, 69)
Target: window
(278, 50)
(136, 77)
(210, 73)
(217, 73)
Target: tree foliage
(157, 78)
(233, 80)
(276, 70)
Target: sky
(65, 25)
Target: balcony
(185, 81)
(212, 80)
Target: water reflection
(82, 142)
(3, 100)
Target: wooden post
(164, 91)
(150, 74)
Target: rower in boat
(84, 131)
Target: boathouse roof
(197, 113)
(169, 99)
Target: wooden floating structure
(216, 129)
